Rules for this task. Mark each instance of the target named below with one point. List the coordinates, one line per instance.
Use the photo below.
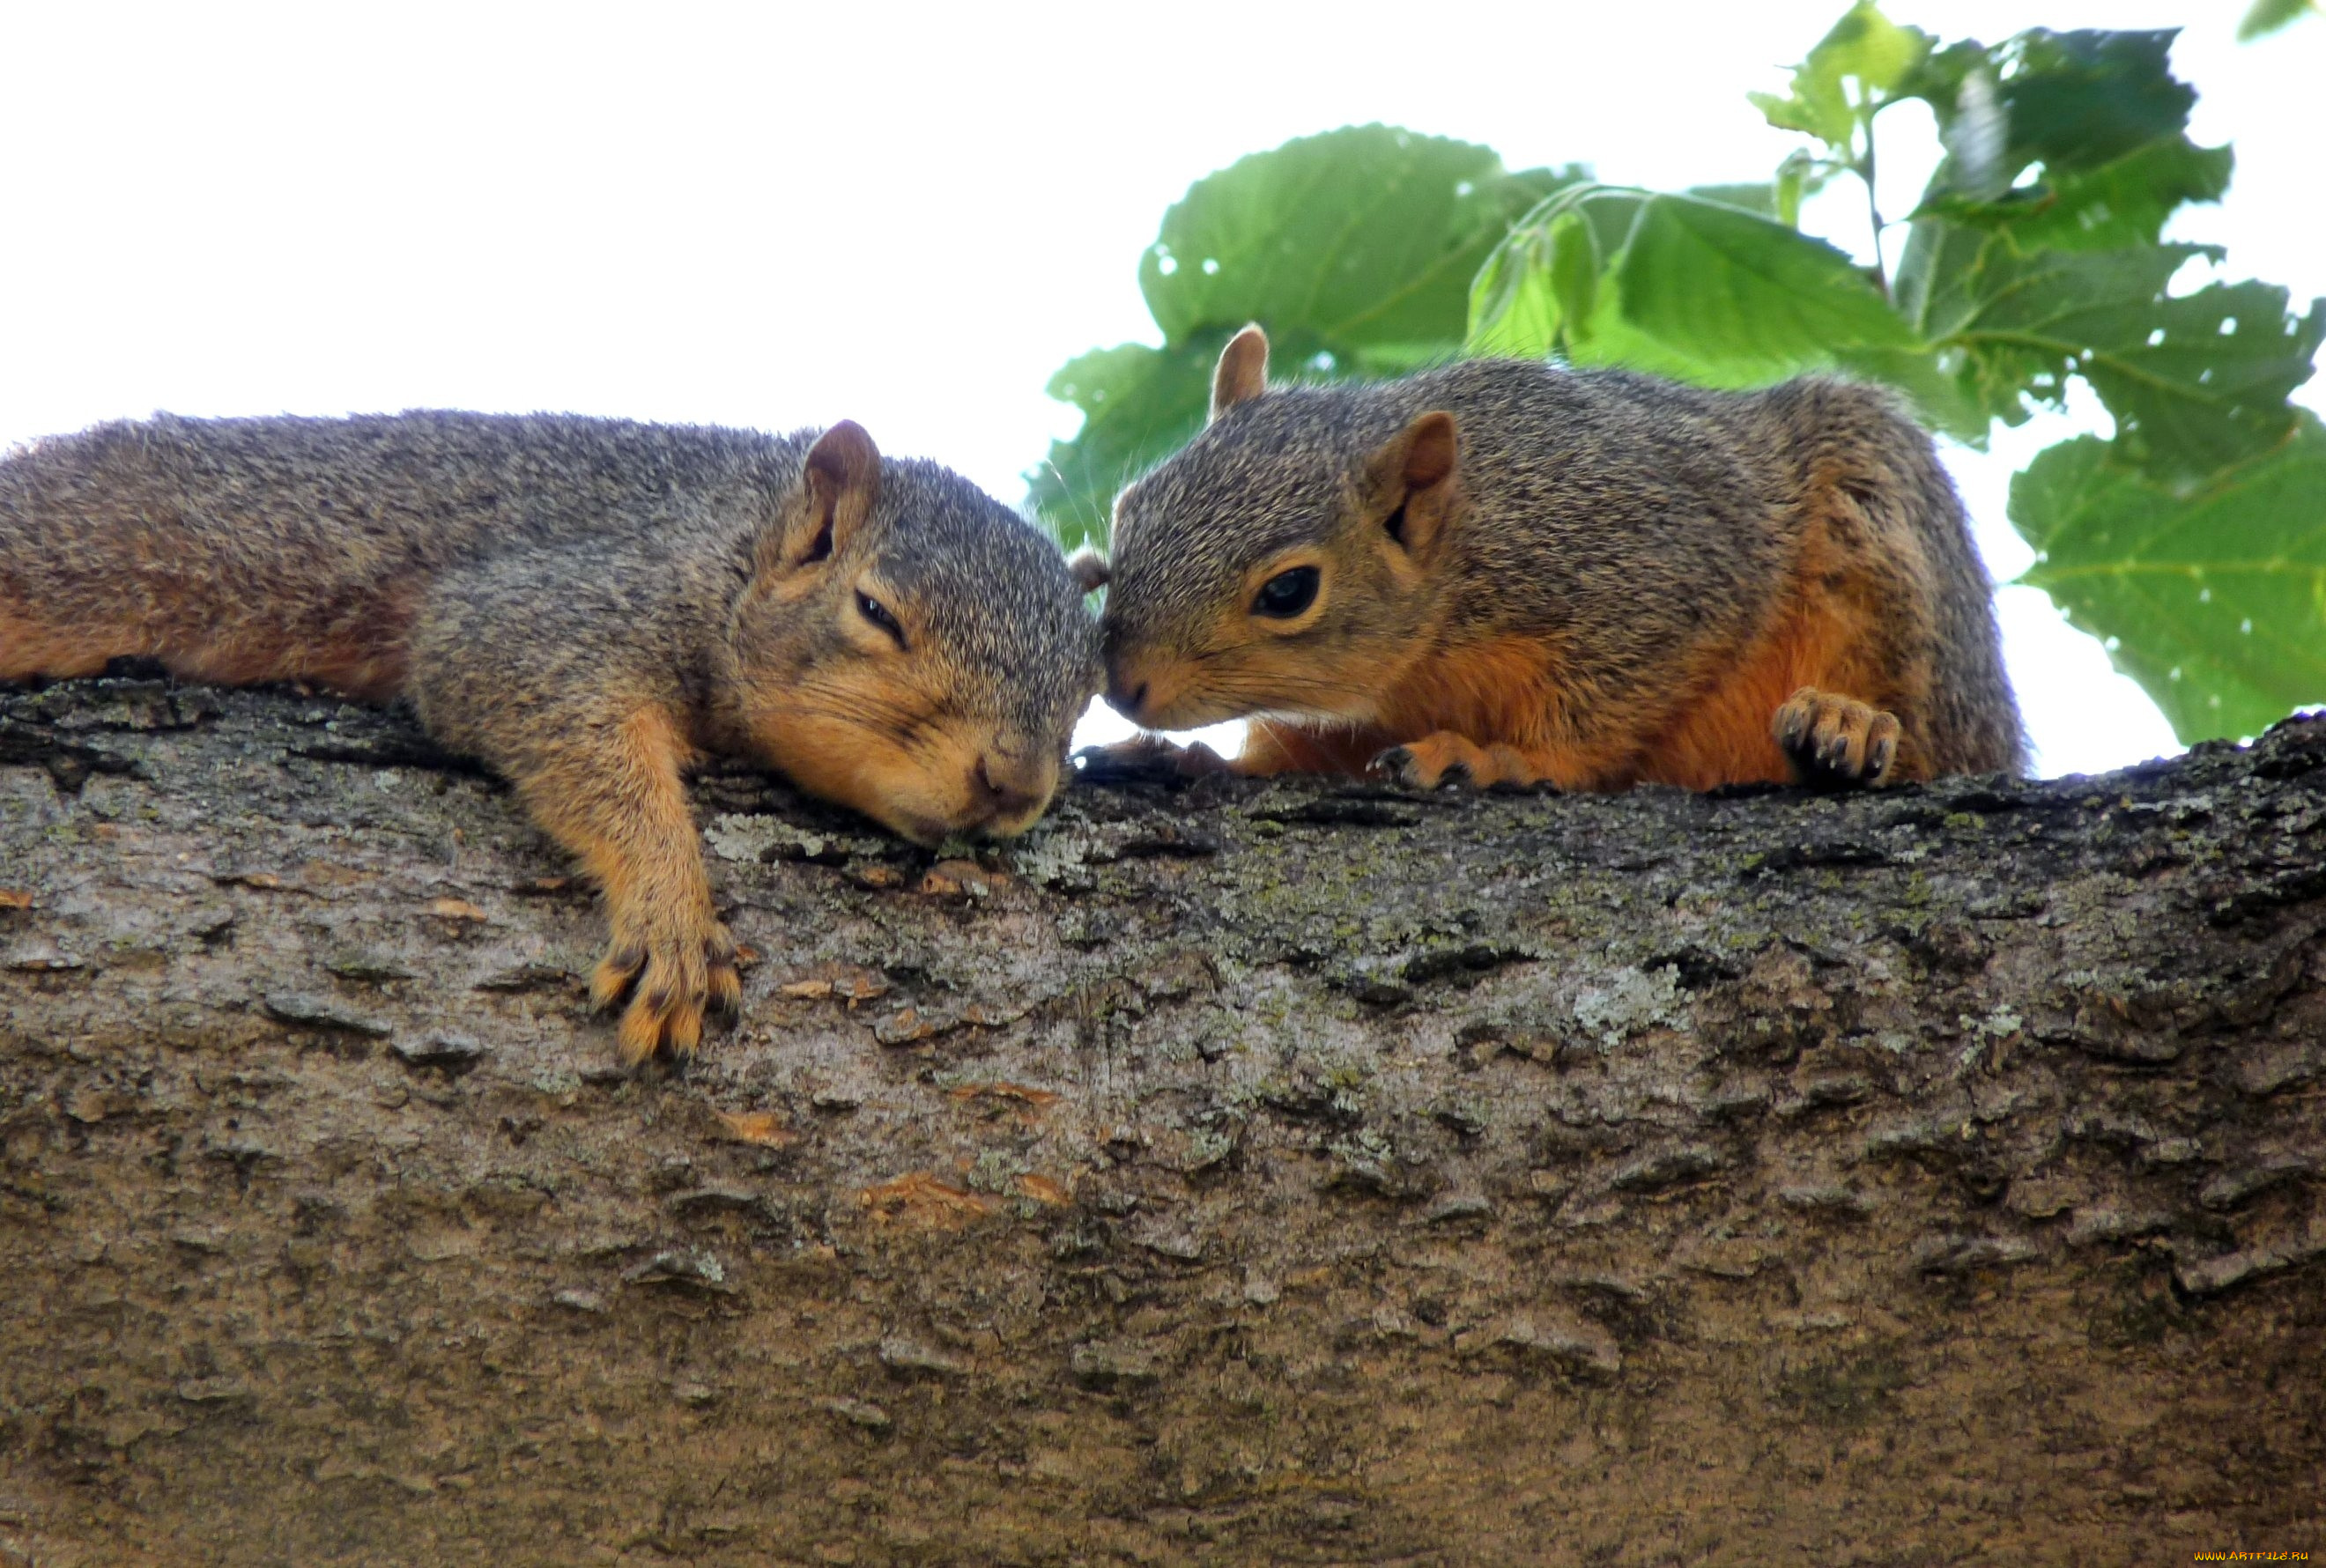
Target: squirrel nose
(1125, 700)
(1009, 789)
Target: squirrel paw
(1834, 741)
(1444, 759)
(672, 971)
(1150, 756)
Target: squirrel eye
(1287, 594)
(873, 610)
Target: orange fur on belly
(1710, 726)
(1723, 736)
(361, 649)
(1504, 692)
(1833, 635)
(364, 664)
(31, 648)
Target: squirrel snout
(1125, 698)
(1007, 788)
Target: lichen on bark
(1241, 1172)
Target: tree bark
(1241, 1172)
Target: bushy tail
(1861, 440)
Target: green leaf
(2266, 16)
(2211, 383)
(1355, 249)
(1865, 47)
(1760, 199)
(1703, 292)
(1977, 135)
(2027, 322)
(2084, 132)
(2016, 112)
(1514, 310)
(1939, 77)
(1575, 268)
(1798, 175)
(2076, 100)
(2123, 202)
(1541, 286)
(2213, 599)
(1138, 404)
(1359, 237)
(2194, 382)
(1936, 275)
(2089, 126)
(1749, 299)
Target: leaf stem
(1865, 170)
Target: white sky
(909, 217)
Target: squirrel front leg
(1834, 741)
(546, 667)
(613, 797)
(1445, 757)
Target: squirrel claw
(1440, 761)
(1835, 742)
(616, 973)
(670, 984)
(1398, 766)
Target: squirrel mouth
(926, 832)
(1009, 827)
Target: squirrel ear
(1089, 569)
(1242, 372)
(838, 484)
(1411, 474)
(1431, 445)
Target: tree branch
(1241, 1172)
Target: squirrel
(1512, 572)
(589, 607)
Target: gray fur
(547, 558)
(588, 606)
(1631, 517)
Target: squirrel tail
(1974, 718)
(1971, 723)
(1861, 441)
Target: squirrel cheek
(927, 793)
(852, 768)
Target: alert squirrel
(589, 607)
(1512, 572)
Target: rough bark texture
(1258, 1172)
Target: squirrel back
(1593, 578)
(300, 549)
(589, 606)
(268, 549)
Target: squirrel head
(908, 646)
(1283, 562)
